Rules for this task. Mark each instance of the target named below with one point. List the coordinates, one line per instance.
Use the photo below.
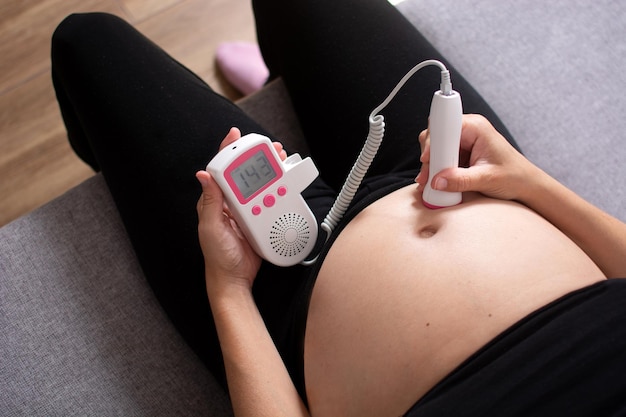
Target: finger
(232, 135)
(473, 127)
(280, 149)
(422, 136)
(424, 139)
(210, 205)
(422, 177)
(475, 178)
(425, 156)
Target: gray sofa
(82, 334)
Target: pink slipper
(242, 65)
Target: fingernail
(441, 184)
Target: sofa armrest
(81, 331)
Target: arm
(497, 170)
(601, 236)
(258, 381)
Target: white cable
(370, 149)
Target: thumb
(211, 203)
(459, 179)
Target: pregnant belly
(406, 294)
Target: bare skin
(407, 293)
(396, 308)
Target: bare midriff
(406, 294)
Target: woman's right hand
(488, 164)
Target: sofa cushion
(553, 73)
(80, 330)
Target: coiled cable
(370, 149)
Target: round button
(269, 200)
(282, 190)
(256, 210)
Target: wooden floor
(36, 163)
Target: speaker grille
(290, 234)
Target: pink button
(282, 190)
(256, 210)
(269, 200)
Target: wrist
(537, 187)
(220, 287)
(231, 304)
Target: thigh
(340, 59)
(530, 369)
(149, 124)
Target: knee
(81, 31)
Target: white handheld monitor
(263, 194)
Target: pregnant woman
(498, 306)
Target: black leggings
(148, 124)
(565, 359)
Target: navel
(427, 231)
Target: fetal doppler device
(263, 193)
